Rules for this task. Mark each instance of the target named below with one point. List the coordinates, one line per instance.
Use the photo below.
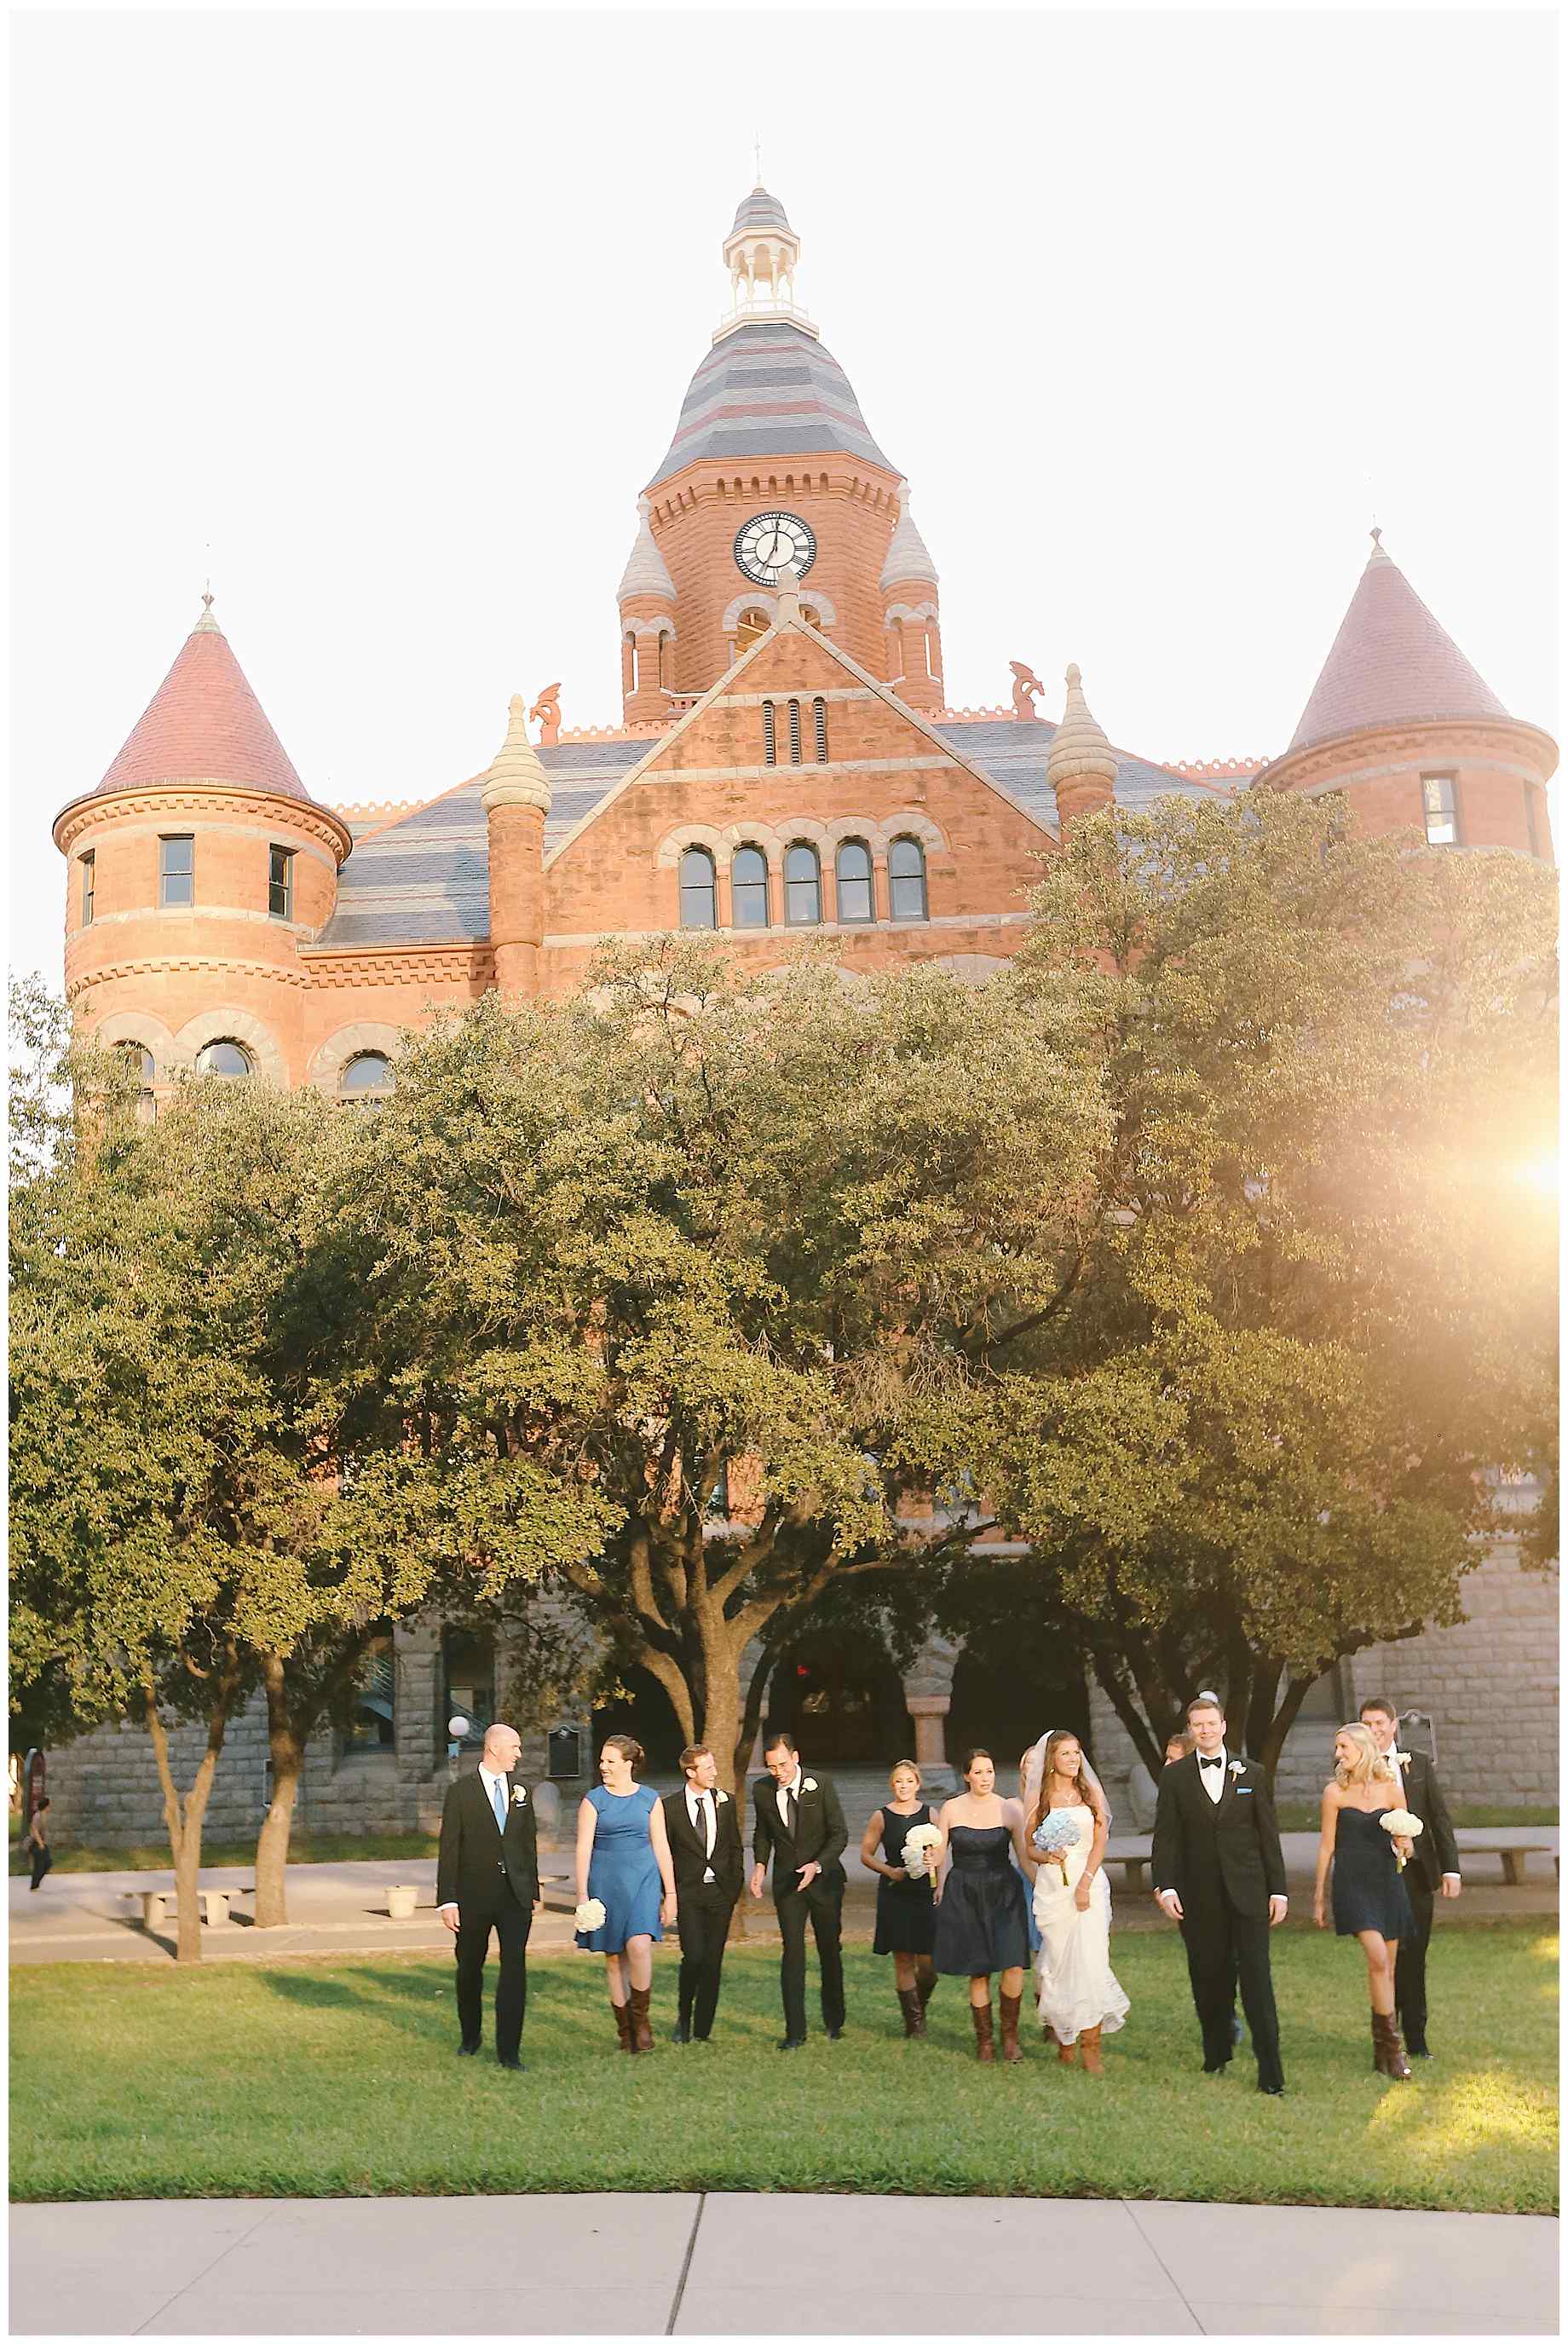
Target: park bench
(1512, 1846)
(161, 1904)
(1133, 1853)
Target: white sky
(394, 312)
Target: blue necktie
(500, 1798)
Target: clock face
(773, 539)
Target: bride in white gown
(1080, 1996)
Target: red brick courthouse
(784, 760)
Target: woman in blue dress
(1370, 1901)
(623, 1862)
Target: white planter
(401, 1902)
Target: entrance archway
(842, 1700)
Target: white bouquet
(1056, 1836)
(1400, 1823)
(917, 1850)
(589, 1915)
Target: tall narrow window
(176, 872)
(769, 736)
(89, 873)
(698, 889)
(794, 732)
(802, 888)
(138, 1063)
(852, 873)
(280, 882)
(1438, 805)
(748, 888)
(907, 880)
(819, 712)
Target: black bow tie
(1212, 1761)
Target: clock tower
(771, 465)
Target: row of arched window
(854, 886)
(793, 731)
(367, 1077)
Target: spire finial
(207, 624)
(515, 776)
(757, 150)
(1377, 553)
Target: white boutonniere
(719, 1797)
(1237, 1766)
(519, 1797)
(1404, 1757)
(810, 1783)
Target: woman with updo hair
(623, 1863)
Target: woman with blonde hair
(1370, 1900)
(906, 1915)
(623, 1862)
(1080, 1996)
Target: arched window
(224, 1057)
(698, 889)
(852, 870)
(802, 888)
(794, 732)
(769, 735)
(367, 1075)
(749, 625)
(819, 713)
(748, 888)
(137, 1060)
(907, 880)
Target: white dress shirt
(489, 1782)
(700, 1807)
(1212, 1777)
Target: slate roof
(766, 392)
(426, 880)
(1390, 664)
(205, 724)
(761, 210)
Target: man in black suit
(1432, 1870)
(487, 1877)
(1219, 1869)
(704, 1830)
(800, 1824)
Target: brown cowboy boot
(1012, 2050)
(642, 2031)
(914, 2016)
(985, 2049)
(925, 1982)
(1089, 2042)
(1388, 2051)
(623, 2025)
(1067, 2053)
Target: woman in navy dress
(623, 1860)
(906, 1912)
(981, 1907)
(1370, 1901)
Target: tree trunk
(184, 1817)
(1284, 1717)
(286, 1751)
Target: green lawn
(340, 2078)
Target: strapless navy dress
(1369, 1891)
(982, 1920)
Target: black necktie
(788, 1805)
(1211, 1762)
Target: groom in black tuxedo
(704, 1830)
(1219, 1869)
(487, 1878)
(800, 1822)
(1432, 1871)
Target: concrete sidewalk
(689, 2265)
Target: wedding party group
(984, 1887)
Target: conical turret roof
(645, 572)
(909, 558)
(203, 723)
(1390, 664)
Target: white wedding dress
(1078, 1986)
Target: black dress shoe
(679, 2034)
(468, 2050)
(1275, 2091)
(513, 2064)
(834, 2033)
(793, 2043)
(1215, 2067)
(1416, 2050)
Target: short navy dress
(623, 1870)
(981, 1922)
(1369, 1891)
(906, 1914)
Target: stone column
(927, 1697)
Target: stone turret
(1082, 766)
(646, 597)
(911, 613)
(515, 797)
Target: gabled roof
(766, 392)
(205, 724)
(1390, 664)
